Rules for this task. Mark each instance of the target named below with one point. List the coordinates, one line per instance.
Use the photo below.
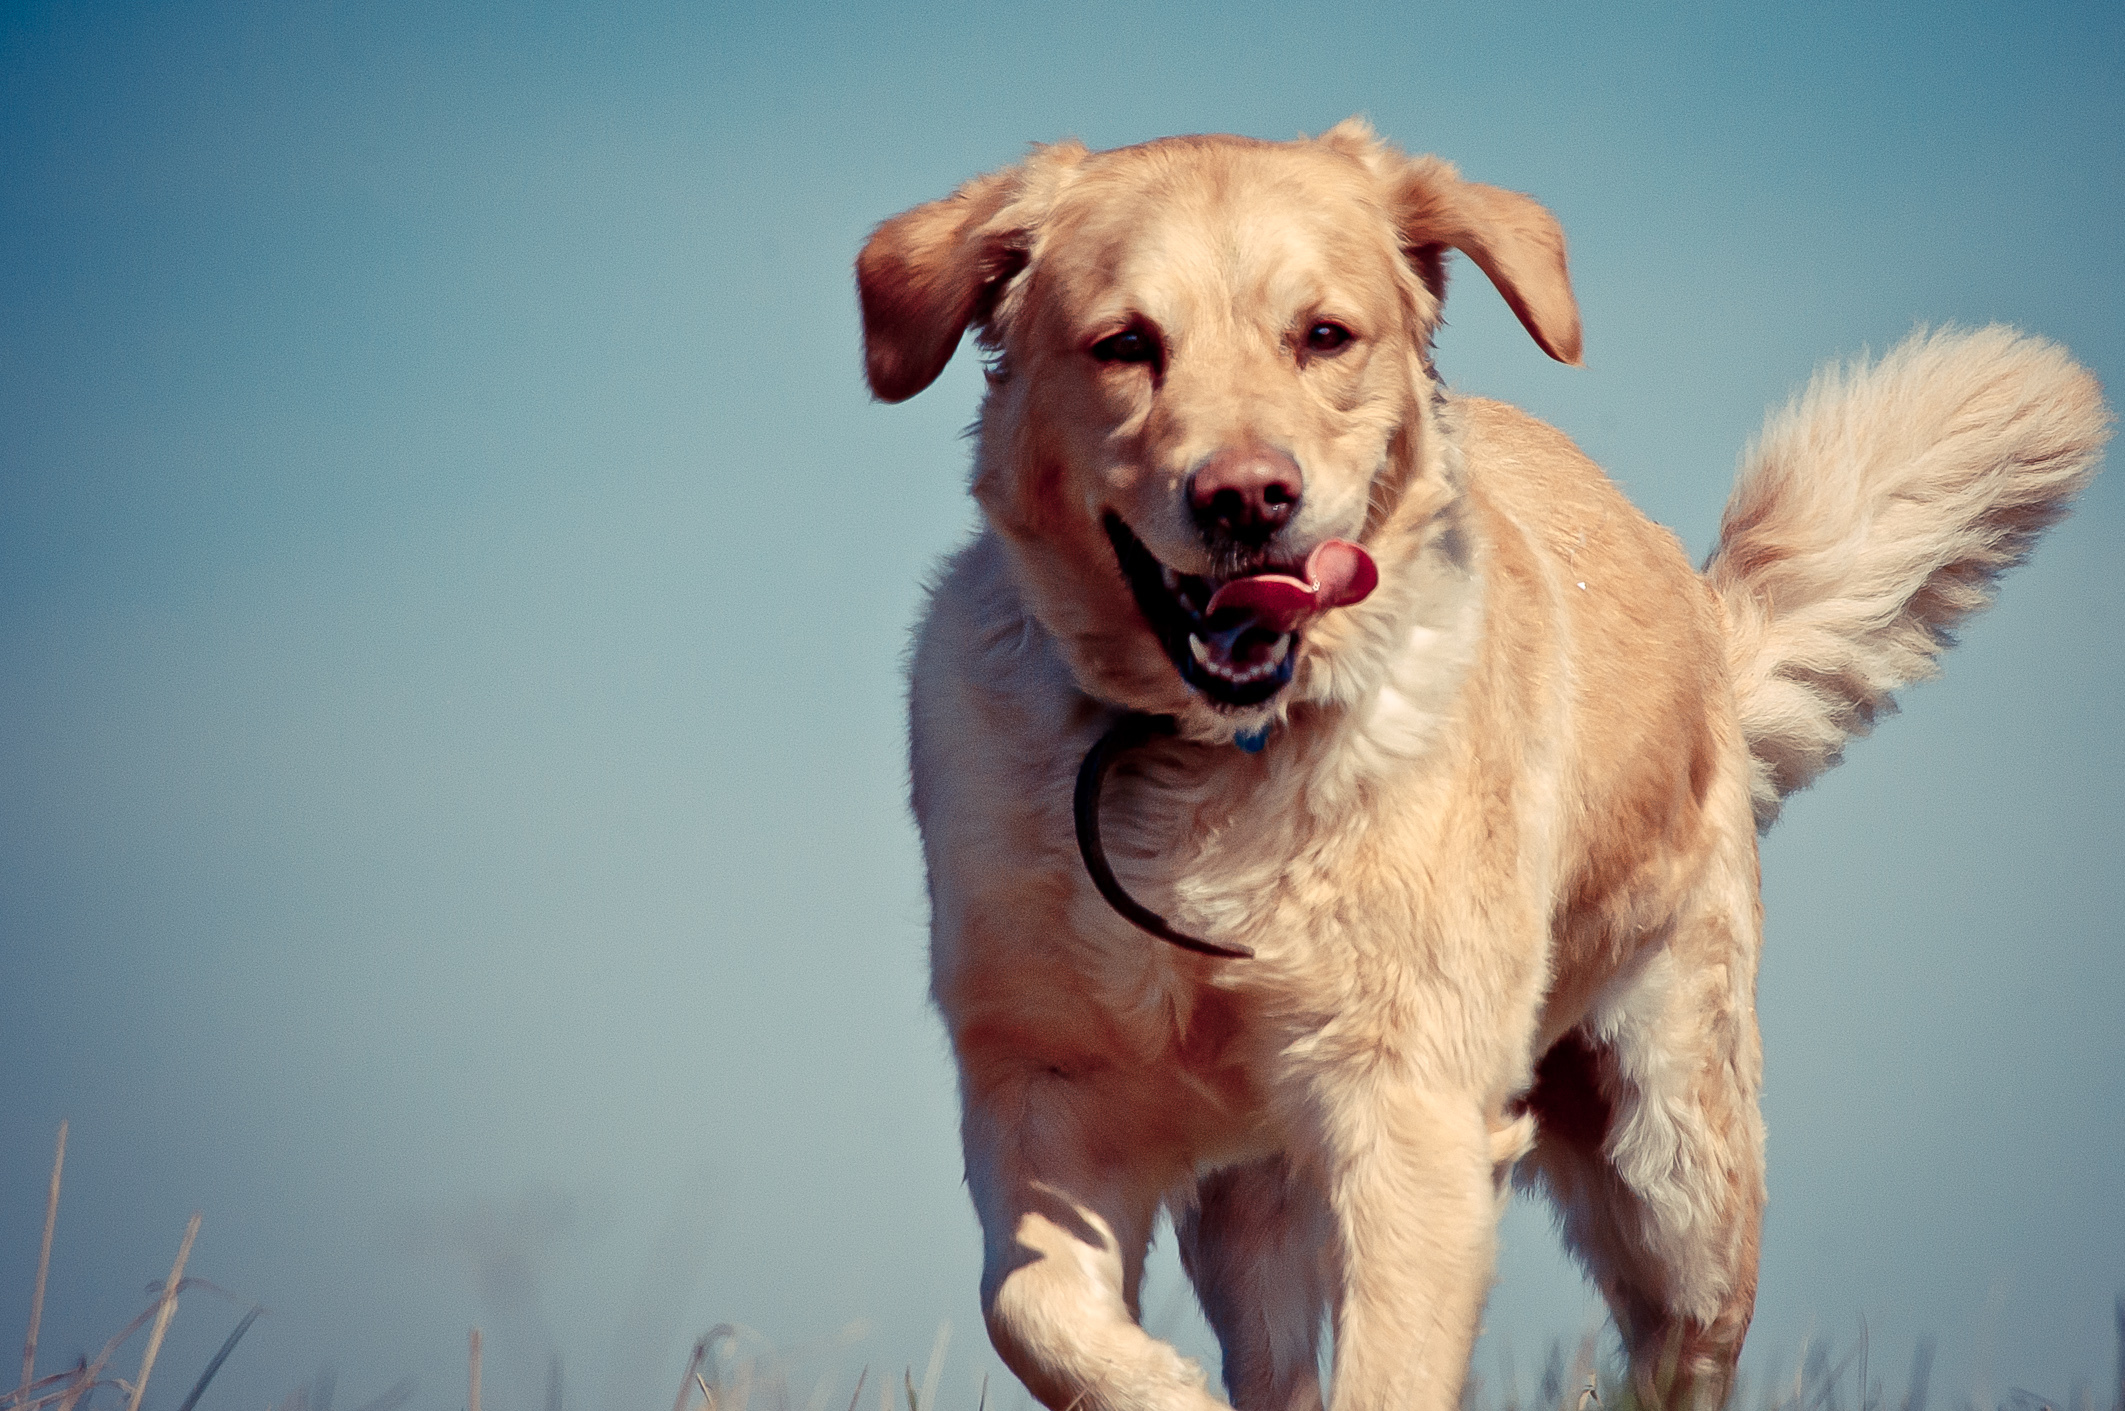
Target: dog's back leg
(1252, 1242)
(1650, 1141)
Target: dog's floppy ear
(926, 274)
(922, 277)
(1511, 237)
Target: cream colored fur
(1498, 861)
(1873, 514)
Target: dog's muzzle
(1234, 640)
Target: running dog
(1336, 795)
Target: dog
(1437, 762)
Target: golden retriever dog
(1437, 762)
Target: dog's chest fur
(1294, 852)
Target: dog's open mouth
(1234, 640)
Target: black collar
(1133, 729)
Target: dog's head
(1209, 359)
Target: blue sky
(453, 589)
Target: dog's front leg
(1254, 1241)
(1065, 1223)
(1409, 1183)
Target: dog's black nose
(1245, 493)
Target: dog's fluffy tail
(1875, 513)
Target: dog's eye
(1326, 336)
(1131, 345)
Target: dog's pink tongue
(1342, 573)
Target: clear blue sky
(453, 588)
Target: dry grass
(78, 1387)
(735, 1369)
(44, 1264)
(1823, 1379)
(744, 1373)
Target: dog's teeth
(1226, 671)
(1171, 579)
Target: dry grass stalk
(736, 1388)
(2121, 1351)
(43, 1401)
(692, 1373)
(163, 1311)
(50, 1384)
(474, 1375)
(1584, 1383)
(44, 1266)
(935, 1370)
(89, 1375)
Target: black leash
(1133, 729)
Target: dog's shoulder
(977, 637)
(1540, 475)
(1599, 546)
(1499, 432)
(989, 697)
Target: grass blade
(44, 1264)
(936, 1368)
(214, 1364)
(400, 1393)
